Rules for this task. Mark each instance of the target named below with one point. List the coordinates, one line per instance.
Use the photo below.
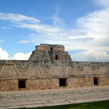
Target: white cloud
(6, 28)
(31, 23)
(46, 31)
(93, 35)
(55, 18)
(91, 55)
(24, 41)
(17, 17)
(104, 3)
(58, 22)
(3, 54)
(96, 23)
(18, 56)
(21, 56)
(39, 28)
(1, 41)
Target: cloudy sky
(82, 26)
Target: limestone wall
(47, 47)
(80, 82)
(46, 75)
(104, 81)
(42, 84)
(7, 85)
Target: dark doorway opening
(56, 57)
(62, 82)
(95, 81)
(51, 48)
(22, 84)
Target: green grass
(91, 105)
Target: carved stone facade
(50, 67)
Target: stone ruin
(50, 77)
(46, 52)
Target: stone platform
(40, 98)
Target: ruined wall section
(32, 55)
(40, 56)
(46, 75)
(61, 55)
(49, 47)
(47, 52)
(13, 69)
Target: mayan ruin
(50, 77)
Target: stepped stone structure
(50, 77)
(46, 52)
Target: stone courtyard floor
(53, 97)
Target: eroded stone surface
(52, 97)
(47, 52)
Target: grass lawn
(92, 105)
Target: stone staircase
(20, 99)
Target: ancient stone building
(46, 52)
(50, 67)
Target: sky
(82, 26)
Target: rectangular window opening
(21, 83)
(95, 81)
(56, 57)
(62, 82)
(51, 48)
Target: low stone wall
(46, 75)
(80, 82)
(104, 81)
(42, 84)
